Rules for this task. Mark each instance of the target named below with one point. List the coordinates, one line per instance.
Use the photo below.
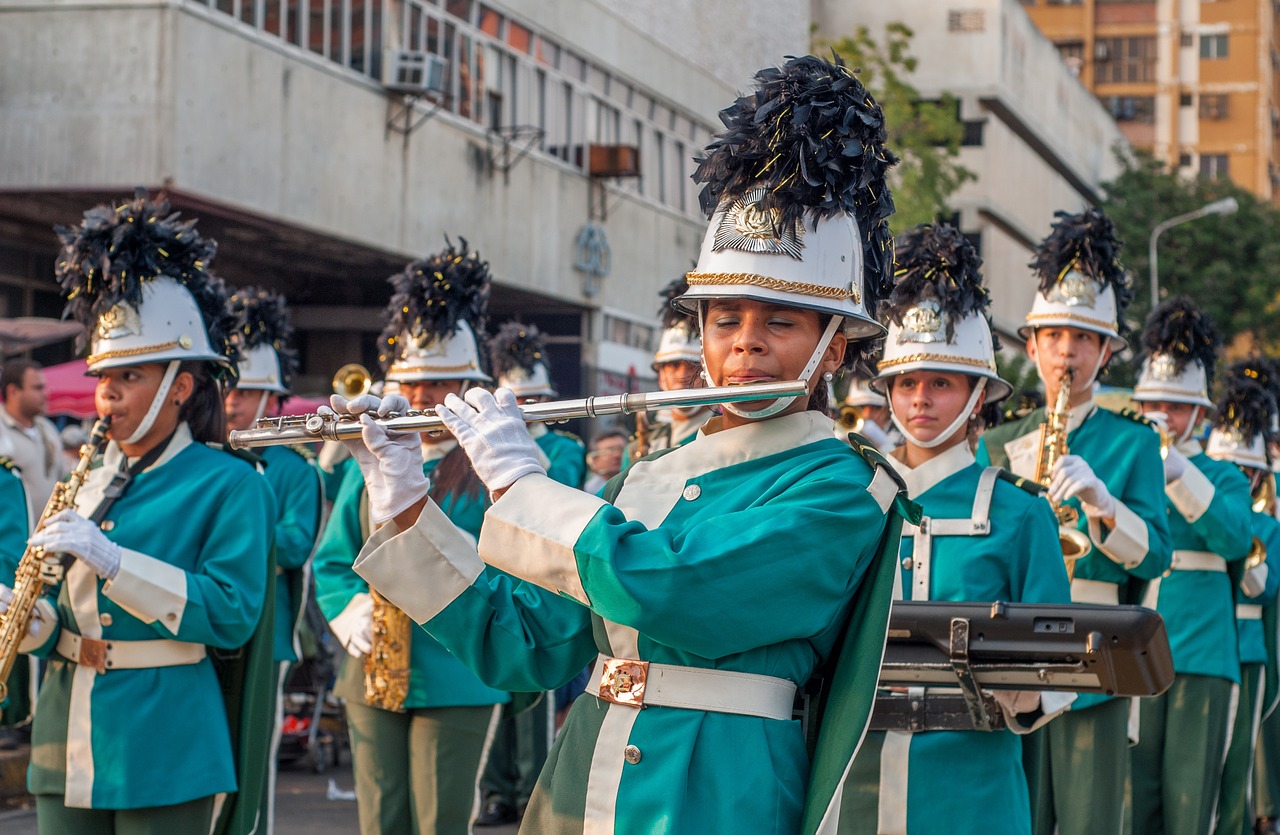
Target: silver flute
(293, 429)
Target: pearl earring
(828, 376)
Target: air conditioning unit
(414, 72)
(613, 161)
(1101, 51)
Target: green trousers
(1177, 763)
(418, 772)
(1235, 797)
(1077, 766)
(53, 818)
(1266, 769)
(16, 708)
(519, 749)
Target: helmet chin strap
(810, 368)
(157, 401)
(945, 435)
(262, 406)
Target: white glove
(391, 463)
(1015, 702)
(492, 432)
(38, 626)
(67, 532)
(1072, 476)
(354, 626)
(1175, 463)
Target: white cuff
(149, 589)
(421, 570)
(48, 620)
(1037, 707)
(531, 532)
(1191, 493)
(1128, 542)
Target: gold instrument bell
(850, 418)
(352, 380)
(1264, 494)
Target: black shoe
(497, 813)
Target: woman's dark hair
(454, 477)
(203, 411)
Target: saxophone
(29, 583)
(1053, 445)
(386, 667)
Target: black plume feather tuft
(433, 295)
(937, 262)
(670, 314)
(814, 138)
(1263, 370)
(1180, 330)
(108, 258)
(517, 346)
(262, 318)
(1247, 407)
(1087, 242)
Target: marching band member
(717, 575)
(677, 362)
(1242, 427)
(172, 544)
(1078, 764)
(266, 372)
(420, 722)
(986, 535)
(1183, 732)
(518, 358)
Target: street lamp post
(1225, 206)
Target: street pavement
(303, 806)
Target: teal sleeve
(1267, 530)
(13, 525)
(298, 494)
(782, 568)
(342, 539)
(1143, 493)
(1040, 573)
(568, 461)
(227, 590)
(514, 635)
(1225, 524)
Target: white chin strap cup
(149, 419)
(955, 426)
(807, 375)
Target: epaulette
(307, 452)
(252, 458)
(1035, 488)
(875, 458)
(1136, 417)
(9, 464)
(566, 434)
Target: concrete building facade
(1037, 140)
(283, 126)
(1195, 82)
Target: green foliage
(925, 134)
(1229, 265)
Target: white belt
(127, 655)
(1098, 592)
(1198, 561)
(638, 684)
(1248, 611)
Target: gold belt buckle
(623, 680)
(93, 653)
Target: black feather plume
(1262, 370)
(517, 346)
(1086, 242)
(937, 262)
(1247, 407)
(814, 137)
(262, 318)
(1185, 333)
(433, 295)
(108, 258)
(670, 314)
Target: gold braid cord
(130, 352)
(936, 358)
(820, 290)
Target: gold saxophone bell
(850, 418)
(352, 380)
(1257, 555)
(1165, 442)
(1264, 495)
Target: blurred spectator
(27, 436)
(604, 458)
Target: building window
(1126, 60)
(1132, 108)
(1072, 54)
(1213, 47)
(1214, 166)
(1213, 106)
(1186, 100)
(1184, 160)
(1188, 39)
(966, 20)
(972, 136)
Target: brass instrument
(292, 429)
(352, 380)
(386, 667)
(1053, 445)
(29, 582)
(1264, 493)
(641, 436)
(850, 418)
